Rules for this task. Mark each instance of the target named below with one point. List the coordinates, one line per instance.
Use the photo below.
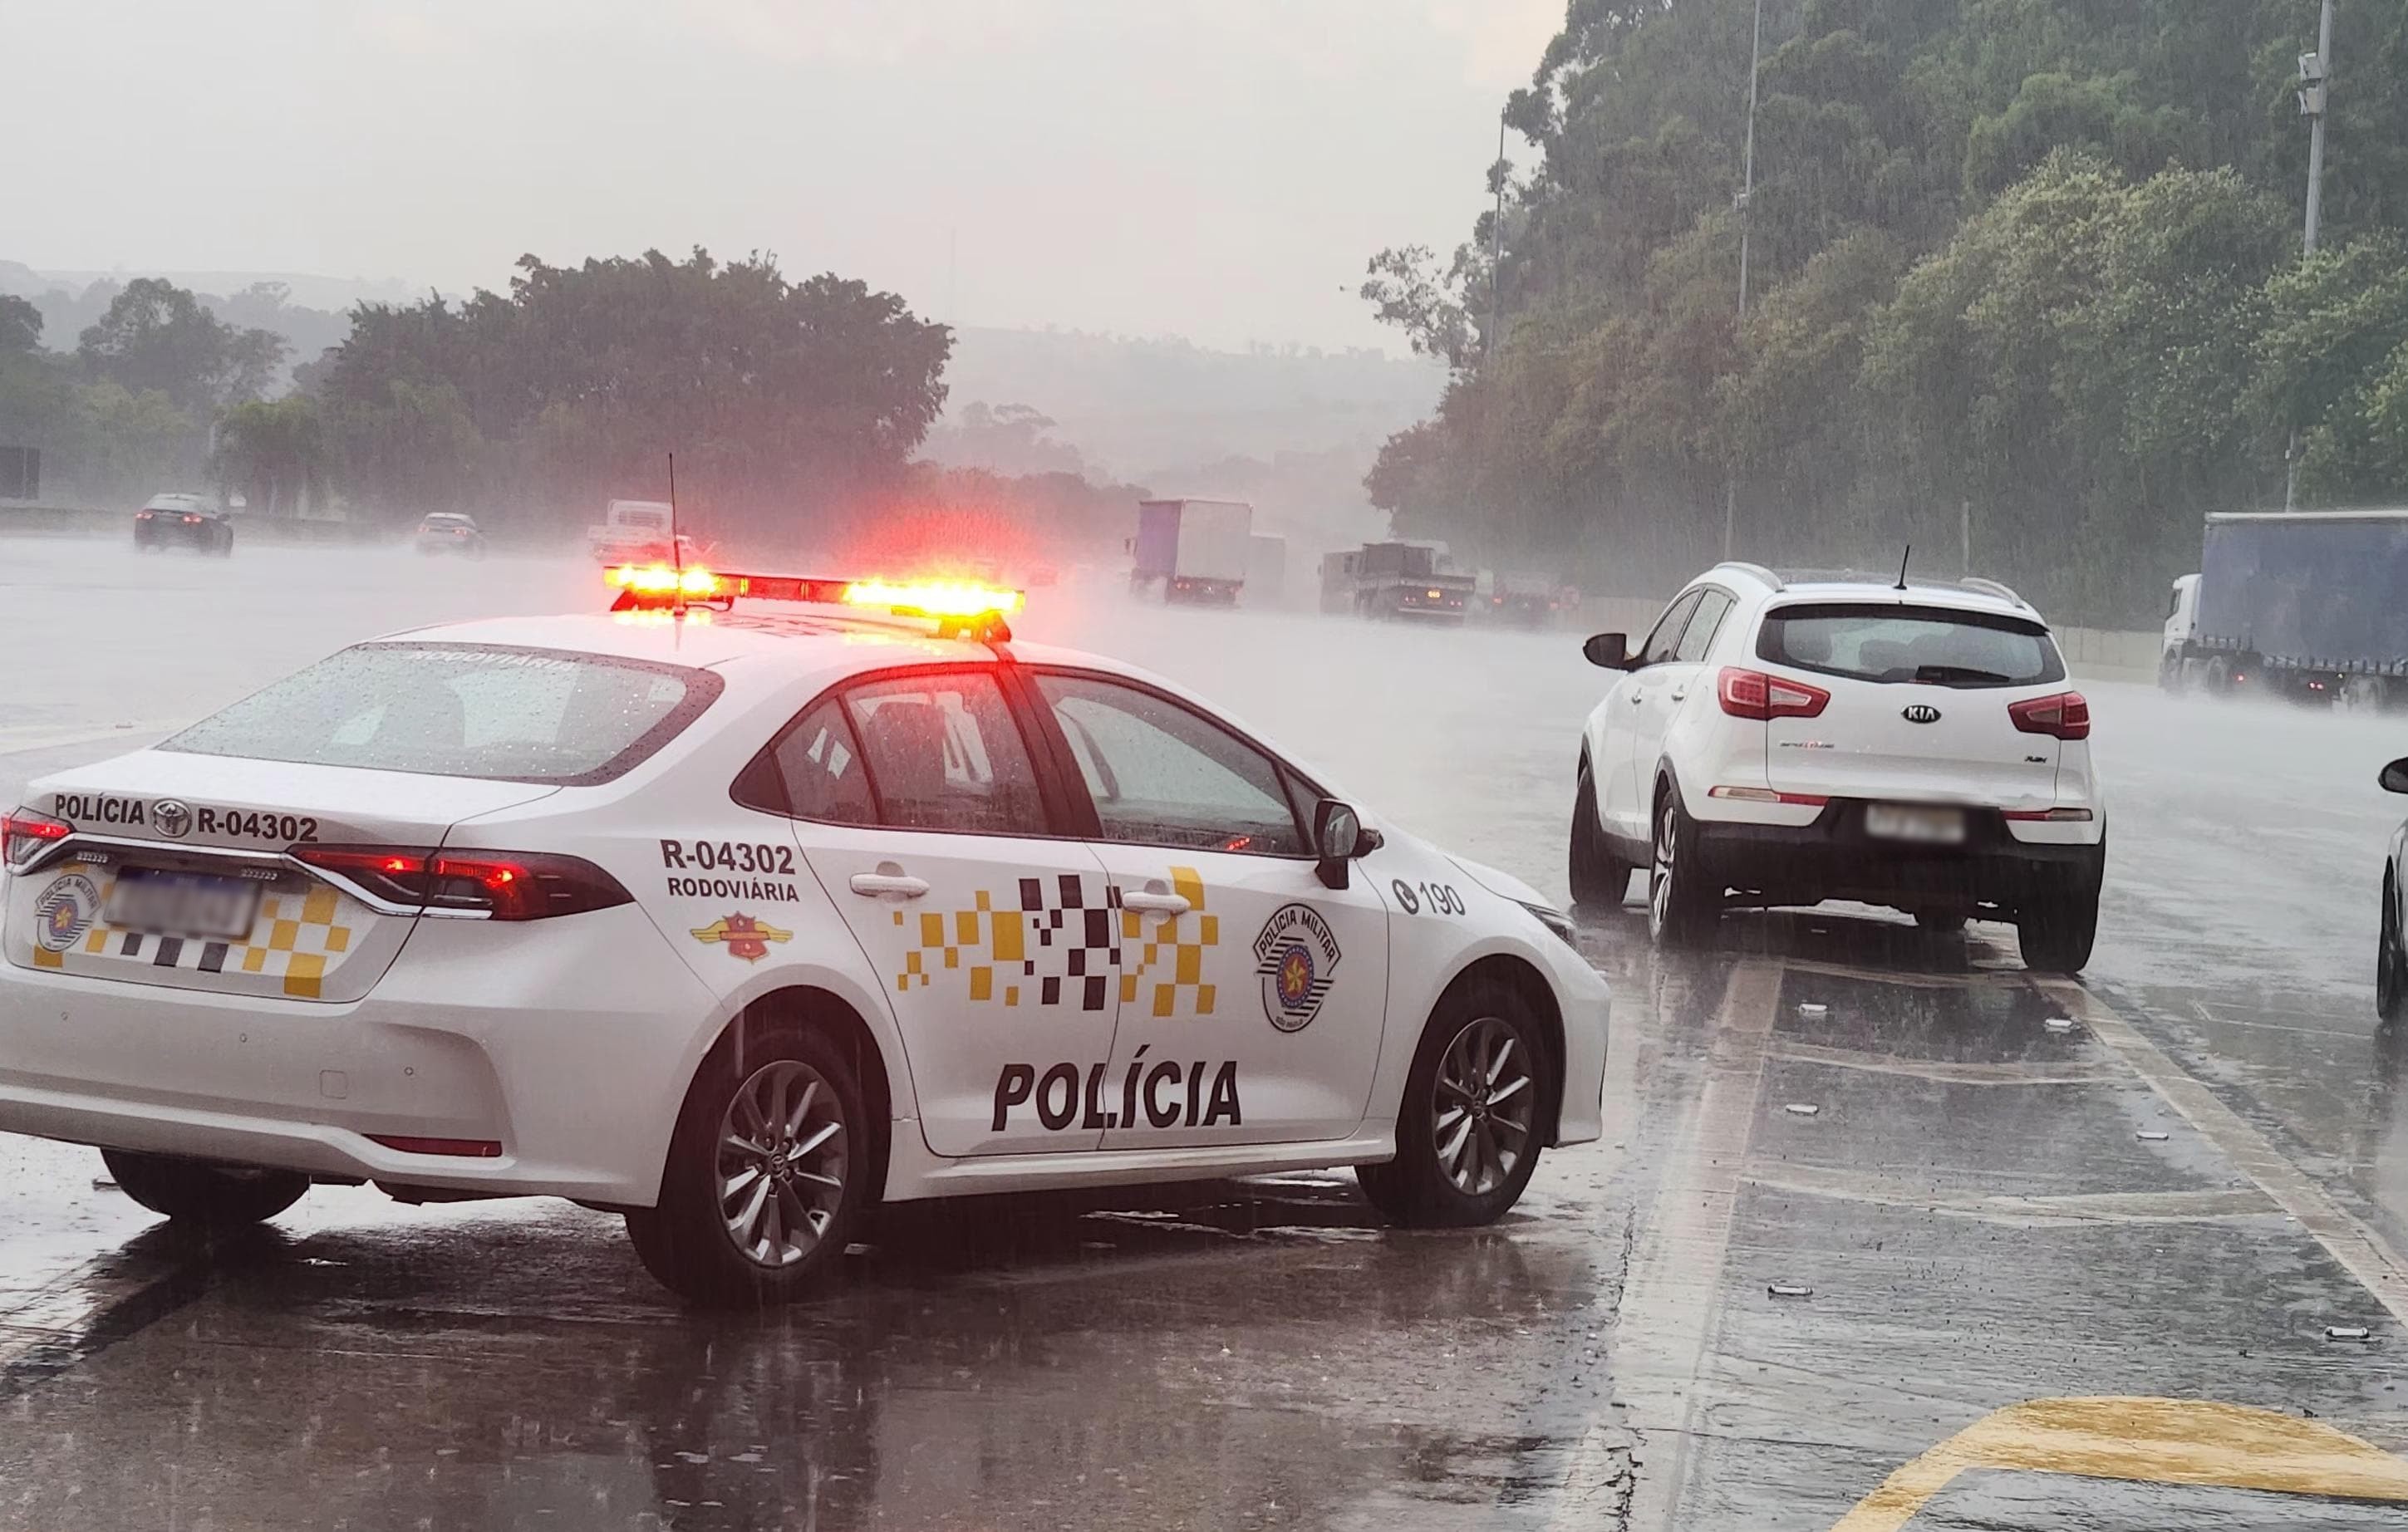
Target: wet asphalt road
(1978, 1221)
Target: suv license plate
(182, 904)
(1903, 822)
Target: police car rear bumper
(558, 1051)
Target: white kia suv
(1783, 741)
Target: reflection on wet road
(1884, 1234)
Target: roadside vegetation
(2031, 264)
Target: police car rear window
(502, 712)
(1934, 646)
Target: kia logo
(1922, 712)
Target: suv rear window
(497, 711)
(1936, 646)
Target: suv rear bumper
(1833, 858)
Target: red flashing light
(1751, 694)
(2065, 716)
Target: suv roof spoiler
(1756, 571)
(1992, 587)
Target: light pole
(1497, 248)
(2315, 76)
(1747, 191)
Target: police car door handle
(1155, 904)
(889, 882)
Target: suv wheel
(1600, 879)
(1468, 1127)
(2059, 924)
(768, 1174)
(217, 1196)
(2391, 959)
(1680, 909)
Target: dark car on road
(448, 531)
(184, 520)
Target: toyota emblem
(170, 818)
(1921, 712)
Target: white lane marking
(1675, 1287)
(1944, 1073)
(2361, 1251)
(2200, 1206)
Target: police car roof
(705, 638)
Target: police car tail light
(23, 834)
(2066, 715)
(495, 885)
(1751, 694)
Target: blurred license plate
(182, 904)
(1903, 822)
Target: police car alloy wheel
(765, 1182)
(1468, 1128)
(199, 1193)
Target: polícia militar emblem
(1297, 959)
(64, 911)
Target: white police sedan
(741, 921)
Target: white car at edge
(742, 924)
(1783, 741)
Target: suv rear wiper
(1956, 675)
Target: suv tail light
(2066, 715)
(1751, 694)
(497, 885)
(22, 832)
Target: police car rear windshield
(502, 712)
(1934, 646)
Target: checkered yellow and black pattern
(1065, 940)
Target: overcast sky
(1214, 168)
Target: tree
(21, 325)
(781, 400)
(156, 337)
(274, 454)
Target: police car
(739, 921)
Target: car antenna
(1902, 564)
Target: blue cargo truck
(2310, 605)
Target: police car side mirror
(1609, 651)
(2395, 777)
(1337, 839)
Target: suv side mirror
(1609, 651)
(2395, 777)
(1337, 839)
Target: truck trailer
(2310, 604)
(1192, 550)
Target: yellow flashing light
(661, 580)
(932, 597)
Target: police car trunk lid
(222, 827)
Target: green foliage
(21, 325)
(1989, 263)
(781, 400)
(157, 337)
(273, 454)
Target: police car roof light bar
(960, 609)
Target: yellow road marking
(2156, 1442)
(2360, 1251)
